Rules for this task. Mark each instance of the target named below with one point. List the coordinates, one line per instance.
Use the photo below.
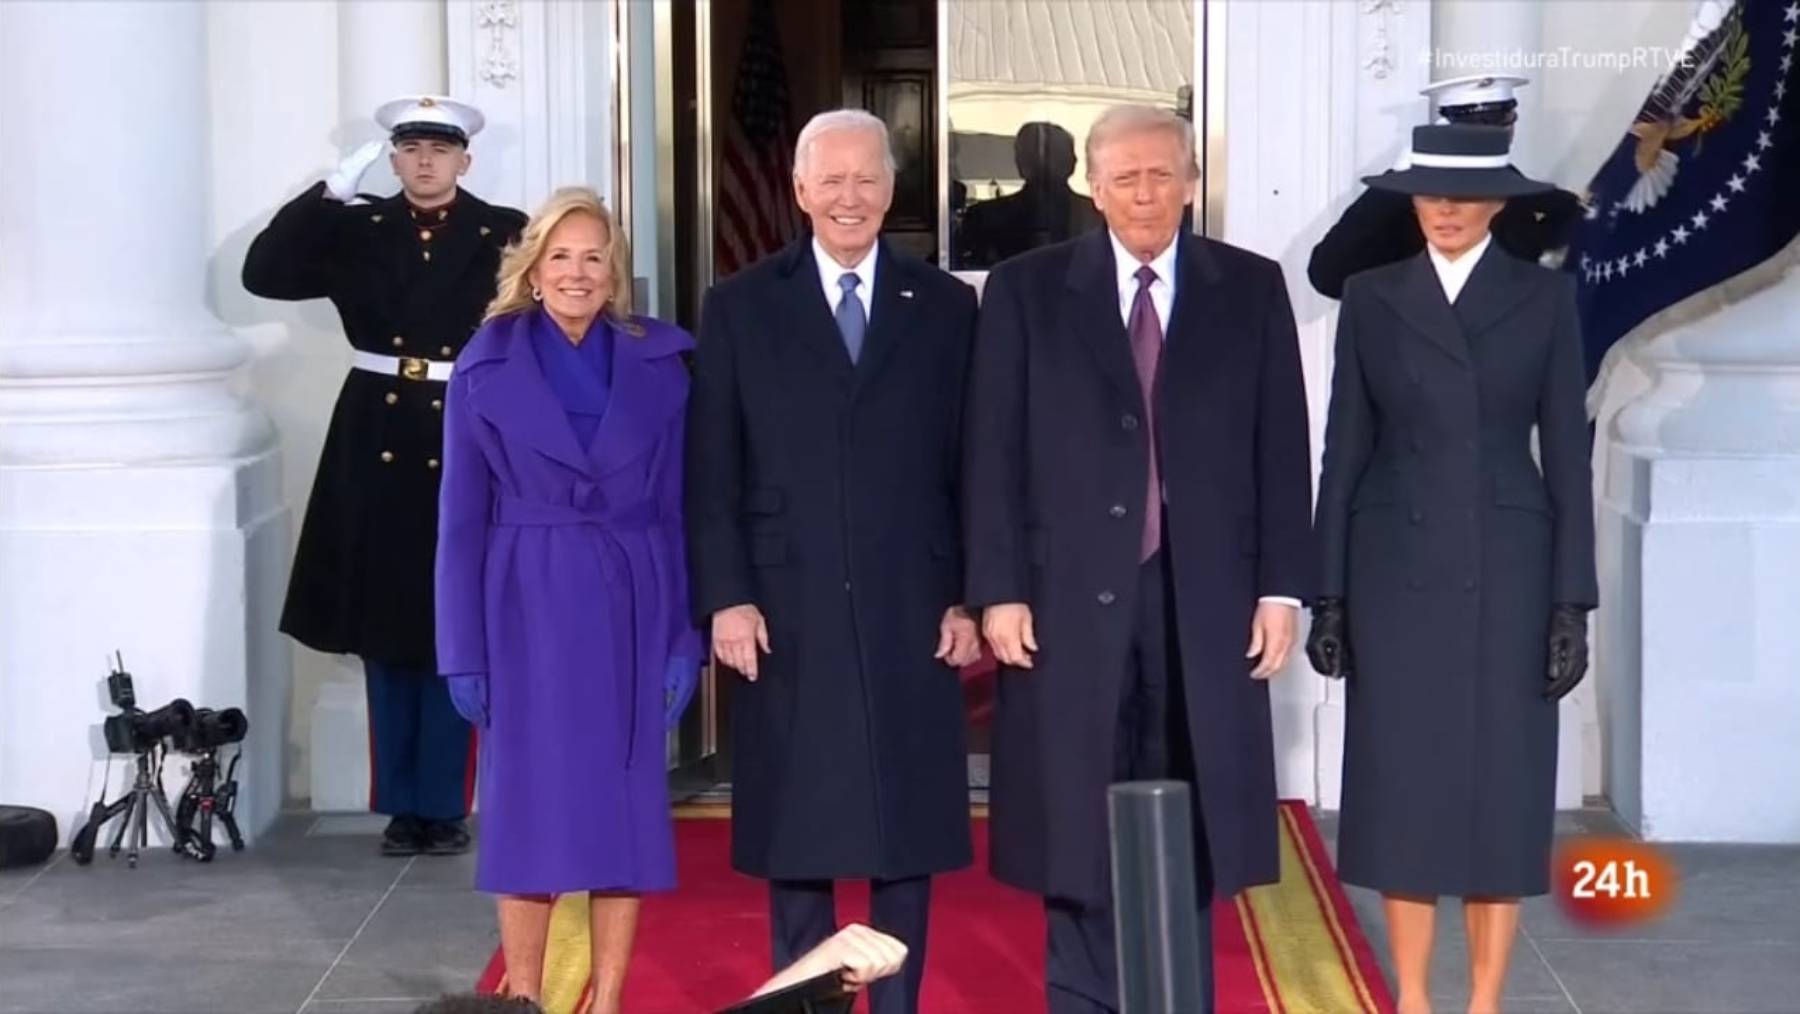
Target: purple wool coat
(561, 573)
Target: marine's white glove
(341, 183)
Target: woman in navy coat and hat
(562, 613)
(1457, 570)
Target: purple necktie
(1146, 350)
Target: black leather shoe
(446, 837)
(405, 836)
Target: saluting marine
(1380, 227)
(410, 275)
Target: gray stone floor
(1731, 943)
(311, 920)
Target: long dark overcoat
(361, 582)
(826, 494)
(1449, 547)
(1058, 460)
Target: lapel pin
(905, 293)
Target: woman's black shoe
(446, 838)
(405, 836)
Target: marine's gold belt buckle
(412, 368)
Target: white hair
(841, 119)
(1123, 120)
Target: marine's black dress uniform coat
(362, 575)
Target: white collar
(1126, 264)
(1454, 274)
(830, 271)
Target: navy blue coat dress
(1449, 546)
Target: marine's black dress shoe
(446, 837)
(405, 836)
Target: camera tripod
(135, 806)
(205, 798)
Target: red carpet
(1294, 946)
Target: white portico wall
(140, 501)
(1296, 145)
(1700, 522)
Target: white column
(1701, 524)
(386, 49)
(1296, 147)
(139, 498)
(1496, 37)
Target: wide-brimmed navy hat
(1459, 160)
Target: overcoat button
(431, 463)
(446, 351)
(1117, 510)
(437, 403)
(1128, 422)
(399, 341)
(1106, 598)
(387, 455)
(392, 398)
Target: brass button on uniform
(438, 404)
(446, 350)
(425, 235)
(431, 463)
(1117, 510)
(1128, 422)
(1106, 598)
(399, 341)
(393, 398)
(387, 455)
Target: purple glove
(679, 681)
(469, 695)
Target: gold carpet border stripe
(1306, 984)
(568, 958)
(1258, 959)
(1322, 895)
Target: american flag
(756, 208)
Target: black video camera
(136, 731)
(207, 729)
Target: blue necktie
(851, 320)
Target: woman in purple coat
(561, 589)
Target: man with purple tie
(1137, 510)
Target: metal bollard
(1156, 917)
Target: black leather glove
(1328, 643)
(1568, 650)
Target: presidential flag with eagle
(1705, 184)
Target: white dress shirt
(1162, 299)
(1162, 291)
(1454, 274)
(830, 271)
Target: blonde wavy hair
(513, 293)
